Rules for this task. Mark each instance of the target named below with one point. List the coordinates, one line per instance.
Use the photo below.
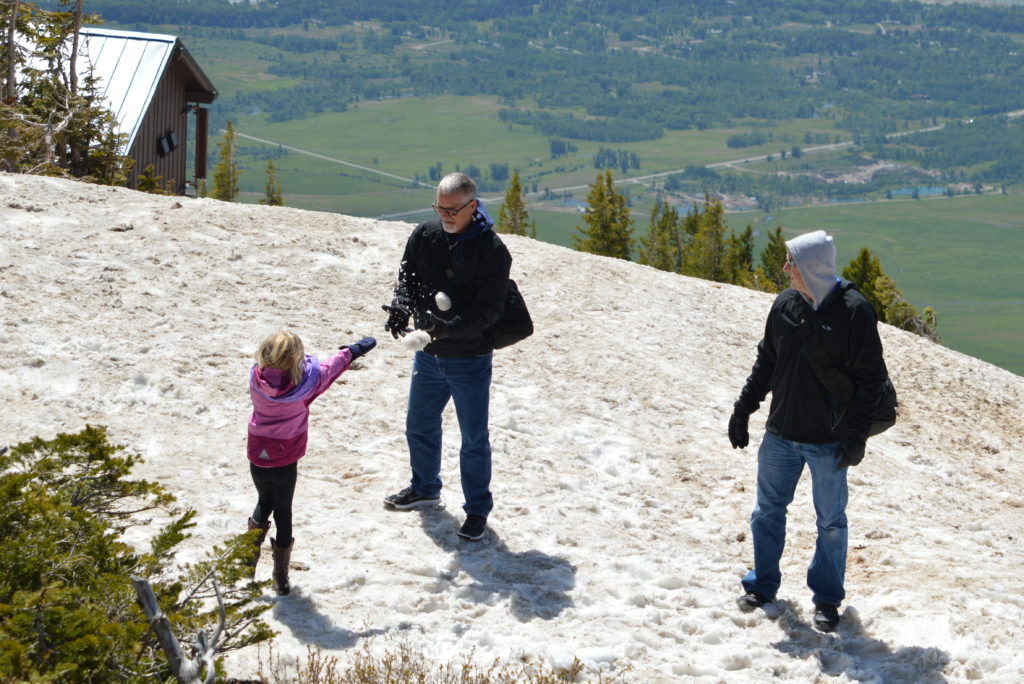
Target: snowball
(443, 301)
(416, 340)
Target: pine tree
(609, 228)
(272, 191)
(660, 248)
(149, 181)
(773, 261)
(67, 610)
(514, 219)
(705, 257)
(864, 272)
(901, 313)
(50, 125)
(739, 258)
(226, 173)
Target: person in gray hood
(819, 314)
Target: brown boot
(282, 555)
(263, 528)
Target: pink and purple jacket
(280, 410)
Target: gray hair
(457, 184)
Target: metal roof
(127, 67)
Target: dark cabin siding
(168, 113)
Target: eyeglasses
(445, 211)
(790, 262)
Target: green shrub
(68, 611)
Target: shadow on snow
(538, 584)
(849, 650)
(298, 611)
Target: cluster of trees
(51, 122)
(68, 611)
(491, 179)
(746, 139)
(696, 244)
(982, 150)
(699, 244)
(560, 148)
(624, 160)
(888, 301)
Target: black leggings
(276, 487)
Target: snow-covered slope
(620, 528)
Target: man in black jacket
(820, 320)
(457, 254)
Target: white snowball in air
(443, 301)
(416, 340)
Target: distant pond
(922, 191)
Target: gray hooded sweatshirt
(815, 256)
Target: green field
(405, 137)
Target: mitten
(361, 347)
(437, 327)
(850, 452)
(398, 318)
(739, 434)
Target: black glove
(739, 435)
(850, 452)
(361, 347)
(398, 318)
(437, 327)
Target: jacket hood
(481, 223)
(274, 384)
(815, 256)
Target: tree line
(983, 149)
(686, 65)
(644, 17)
(698, 243)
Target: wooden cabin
(158, 95)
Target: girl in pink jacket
(283, 383)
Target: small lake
(922, 191)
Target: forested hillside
(617, 72)
(669, 65)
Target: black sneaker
(826, 616)
(474, 527)
(751, 601)
(407, 498)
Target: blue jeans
(434, 382)
(780, 462)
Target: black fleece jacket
(471, 268)
(802, 410)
